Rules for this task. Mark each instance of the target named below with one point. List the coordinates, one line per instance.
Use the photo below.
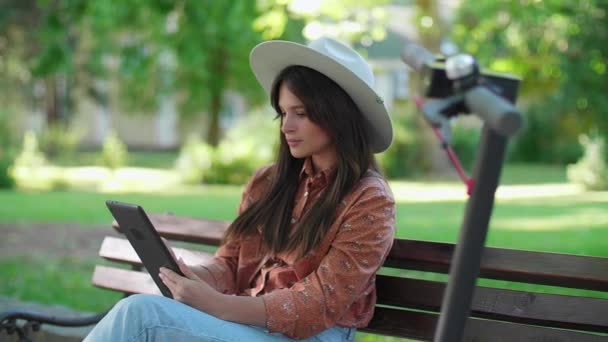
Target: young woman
(299, 262)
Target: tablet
(147, 243)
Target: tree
(40, 54)
(558, 47)
(18, 23)
(191, 50)
(354, 21)
(198, 49)
(194, 49)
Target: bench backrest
(408, 306)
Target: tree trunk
(213, 134)
(51, 103)
(219, 64)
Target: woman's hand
(190, 290)
(200, 271)
(193, 291)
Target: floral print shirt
(332, 285)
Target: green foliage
(356, 21)
(6, 181)
(546, 140)
(249, 144)
(406, 156)
(177, 49)
(151, 50)
(465, 143)
(6, 135)
(559, 49)
(59, 140)
(229, 168)
(591, 170)
(30, 156)
(114, 152)
(6, 151)
(194, 160)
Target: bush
(6, 181)
(59, 140)
(544, 140)
(406, 156)
(6, 151)
(248, 145)
(30, 156)
(231, 169)
(465, 143)
(6, 135)
(114, 152)
(194, 160)
(30, 165)
(591, 170)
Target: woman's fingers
(189, 289)
(180, 262)
(186, 270)
(181, 287)
(168, 280)
(168, 276)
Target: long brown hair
(330, 107)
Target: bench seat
(409, 307)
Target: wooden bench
(408, 307)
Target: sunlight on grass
(154, 180)
(39, 178)
(430, 192)
(584, 218)
(86, 176)
(537, 191)
(96, 178)
(132, 179)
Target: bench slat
(117, 249)
(400, 323)
(583, 272)
(122, 280)
(564, 270)
(421, 326)
(182, 228)
(515, 306)
(559, 311)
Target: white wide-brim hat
(338, 62)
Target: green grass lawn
(514, 173)
(518, 173)
(574, 223)
(154, 159)
(219, 202)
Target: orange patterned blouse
(332, 285)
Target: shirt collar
(326, 174)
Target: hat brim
(268, 59)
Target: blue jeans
(157, 318)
